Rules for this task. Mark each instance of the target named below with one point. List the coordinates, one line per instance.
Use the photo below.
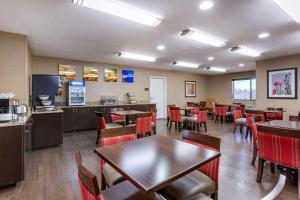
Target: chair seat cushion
(240, 121)
(112, 177)
(199, 197)
(191, 118)
(192, 184)
(229, 113)
(113, 125)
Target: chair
(153, 122)
(101, 124)
(117, 118)
(190, 104)
(294, 118)
(202, 104)
(238, 119)
(221, 111)
(274, 115)
(254, 121)
(143, 124)
(200, 118)
(175, 116)
(168, 113)
(214, 110)
(203, 180)
(249, 115)
(109, 137)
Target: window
(244, 89)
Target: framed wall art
(190, 88)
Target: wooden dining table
(152, 163)
(127, 114)
(189, 108)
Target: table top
(127, 112)
(293, 125)
(153, 162)
(193, 108)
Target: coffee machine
(4, 106)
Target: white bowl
(44, 97)
(46, 103)
(49, 108)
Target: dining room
(191, 100)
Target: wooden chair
(254, 121)
(168, 113)
(101, 124)
(221, 111)
(203, 104)
(175, 116)
(198, 119)
(117, 118)
(249, 115)
(274, 115)
(238, 120)
(143, 124)
(113, 136)
(204, 180)
(90, 189)
(294, 118)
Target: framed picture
(190, 88)
(90, 73)
(127, 76)
(67, 72)
(282, 84)
(110, 75)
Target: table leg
(277, 189)
(127, 119)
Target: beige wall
(292, 107)
(175, 81)
(220, 87)
(15, 65)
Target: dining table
(127, 114)
(291, 130)
(187, 109)
(153, 162)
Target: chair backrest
(154, 115)
(115, 118)
(100, 121)
(190, 104)
(253, 113)
(211, 169)
(275, 109)
(175, 114)
(202, 115)
(143, 123)
(254, 121)
(87, 180)
(202, 104)
(221, 110)
(168, 109)
(279, 145)
(237, 114)
(294, 118)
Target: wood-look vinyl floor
(51, 173)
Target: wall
(15, 65)
(175, 81)
(220, 87)
(292, 107)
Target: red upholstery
(201, 116)
(101, 124)
(237, 114)
(175, 115)
(143, 125)
(278, 149)
(154, 117)
(86, 194)
(250, 115)
(194, 111)
(274, 116)
(117, 118)
(221, 111)
(254, 131)
(211, 169)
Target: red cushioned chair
(204, 180)
(117, 118)
(277, 115)
(203, 104)
(221, 111)
(254, 121)
(101, 124)
(249, 115)
(200, 118)
(113, 136)
(238, 119)
(143, 124)
(175, 116)
(168, 113)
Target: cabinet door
(69, 121)
(86, 118)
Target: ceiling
(58, 28)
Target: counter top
(20, 121)
(98, 105)
(47, 112)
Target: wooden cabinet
(47, 130)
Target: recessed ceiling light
(120, 9)
(161, 47)
(210, 58)
(136, 56)
(263, 35)
(202, 37)
(241, 65)
(206, 5)
(185, 64)
(216, 69)
(245, 51)
(291, 7)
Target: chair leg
(254, 154)
(234, 128)
(241, 128)
(272, 167)
(154, 130)
(97, 140)
(260, 170)
(179, 126)
(247, 132)
(176, 124)
(216, 118)
(103, 182)
(170, 125)
(168, 120)
(205, 127)
(214, 196)
(198, 126)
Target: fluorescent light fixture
(161, 47)
(291, 7)
(203, 37)
(263, 35)
(210, 58)
(185, 64)
(216, 69)
(206, 5)
(120, 9)
(245, 51)
(137, 56)
(241, 65)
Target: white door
(158, 95)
